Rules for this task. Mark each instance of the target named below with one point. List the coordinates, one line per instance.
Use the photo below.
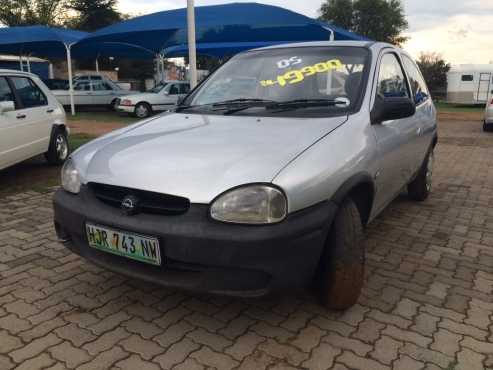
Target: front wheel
(419, 189)
(487, 127)
(142, 110)
(59, 148)
(342, 267)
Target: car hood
(199, 156)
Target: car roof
(15, 72)
(176, 81)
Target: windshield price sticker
(297, 75)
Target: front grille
(148, 201)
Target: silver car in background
(264, 177)
(488, 115)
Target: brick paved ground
(427, 302)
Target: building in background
(469, 84)
(38, 66)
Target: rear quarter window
(467, 78)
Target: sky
(460, 30)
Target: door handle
(50, 111)
(21, 116)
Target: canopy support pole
(21, 67)
(70, 82)
(28, 64)
(97, 66)
(192, 51)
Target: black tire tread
(416, 189)
(344, 259)
(51, 155)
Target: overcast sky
(461, 30)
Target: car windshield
(156, 89)
(287, 81)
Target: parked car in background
(32, 121)
(488, 115)
(262, 179)
(90, 91)
(56, 84)
(162, 97)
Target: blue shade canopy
(229, 24)
(40, 41)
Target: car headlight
(70, 177)
(252, 204)
(126, 102)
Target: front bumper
(200, 254)
(125, 108)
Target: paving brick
(369, 331)
(244, 345)
(106, 341)
(469, 360)
(34, 348)
(213, 359)
(69, 354)
(39, 362)
(446, 342)
(143, 328)
(173, 334)
(478, 346)
(463, 329)
(105, 360)
(308, 338)
(425, 324)
(406, 336)
(386, 350)
(354, 345)
(176, 353)
(406, 308)
(76, 335)
(147, 349)
(8, 342)
(135, 362)
(322, 357)
(407, 363)
(426, 355)
(285, 352)
(356, 362)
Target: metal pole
(70, 83)
(51, 74)
(97, 66)
(192, 52)
(20, 63)
(28, 64)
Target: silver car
(264, 177)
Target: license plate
(137, 247)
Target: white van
(469, 83)
(32, 122)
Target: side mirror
(387, 109)
(6, 106)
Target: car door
(82, 93)
(9, 139)
(102, 93)
(394, 138)
(425, 117)
(33, 117)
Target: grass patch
(77, 140)
(451, 108)
(102, 116)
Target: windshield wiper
(242, 101)
(237, 105)
(305, 103)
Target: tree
(94, 14)
(434, 69)
(31, 12)
(380, 20)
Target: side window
(418, 84)
(467, 78)
(101, 86)
(174, 90)
(29, 93)
(184, 88)
(5, 90)
(82, 86)
(391, 81)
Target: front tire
(142, 110)
(342, 267)
(59, 149)
(419, 189)
(114, 105)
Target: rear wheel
(142, 110)
(59, 148)
(420, 187)
(342, 267)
